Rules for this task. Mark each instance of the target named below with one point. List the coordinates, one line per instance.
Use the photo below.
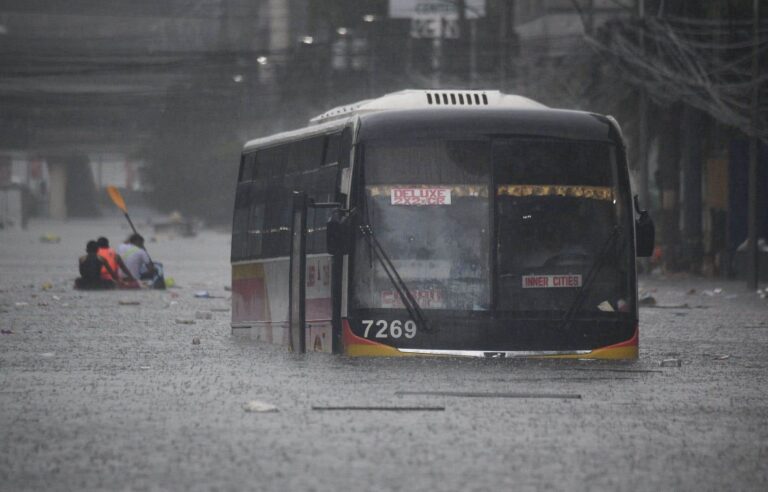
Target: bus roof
(305, 132)
(423, 99)
(427, 112)
(467, 122)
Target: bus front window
(427, 203)
(558, 211)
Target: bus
(440, 222)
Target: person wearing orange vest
(112, 259)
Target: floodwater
(106, 390)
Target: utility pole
(642, 118)
(753, 260)
(503, 43)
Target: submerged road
(106, 390)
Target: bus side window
(247, 169)
(255, 232)
(321, 187)
(271, 162)
(240, 223)
(332, 147)
(345, 147)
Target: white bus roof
(422, 99)
(406, 99)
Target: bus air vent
(435, 98)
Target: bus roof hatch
(414, 99)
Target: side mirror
(645, 232)
(339, 232)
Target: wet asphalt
(96, 394)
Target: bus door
(297, 305)
(314, 274)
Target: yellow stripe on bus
(590, 192)
(456, 190)
(250, 270)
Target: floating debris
(185, 322)
(21, 304)
(722, 357)
(129, 303)
(605, 306)
(380, 409)
(195, 340)
(256, 406)
(671, 306)
(647, 301)
(46, 286)
(471, 394)
(47, 354)
(671, 363)
(691, 292)
(7, 332)
(713, 292)
(50, 238)
(203, 294)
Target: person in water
(136, 259)
(114, 261)
(90, 270)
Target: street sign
(435, 27)
(434, 9)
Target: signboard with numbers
(434, 9)
(435, 27)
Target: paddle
(117, 199)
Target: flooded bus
(460, 223)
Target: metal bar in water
(467, 394)
(381, 409)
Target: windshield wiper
(591, 274)
(406, 297)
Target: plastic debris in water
(21, 304)
(6, 332)
(203, 294)
(185, 322)
(46, 286)
(605, 306)
(129, 303)
(722, 357)
(50, 238)
(257, 406)
(196, 341)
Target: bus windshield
(427, 203)
(559, 210)
(525, 249)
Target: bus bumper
(355, 346)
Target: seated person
(115, 262)
(90, 267)
(138, 262)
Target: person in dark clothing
(90, 270)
